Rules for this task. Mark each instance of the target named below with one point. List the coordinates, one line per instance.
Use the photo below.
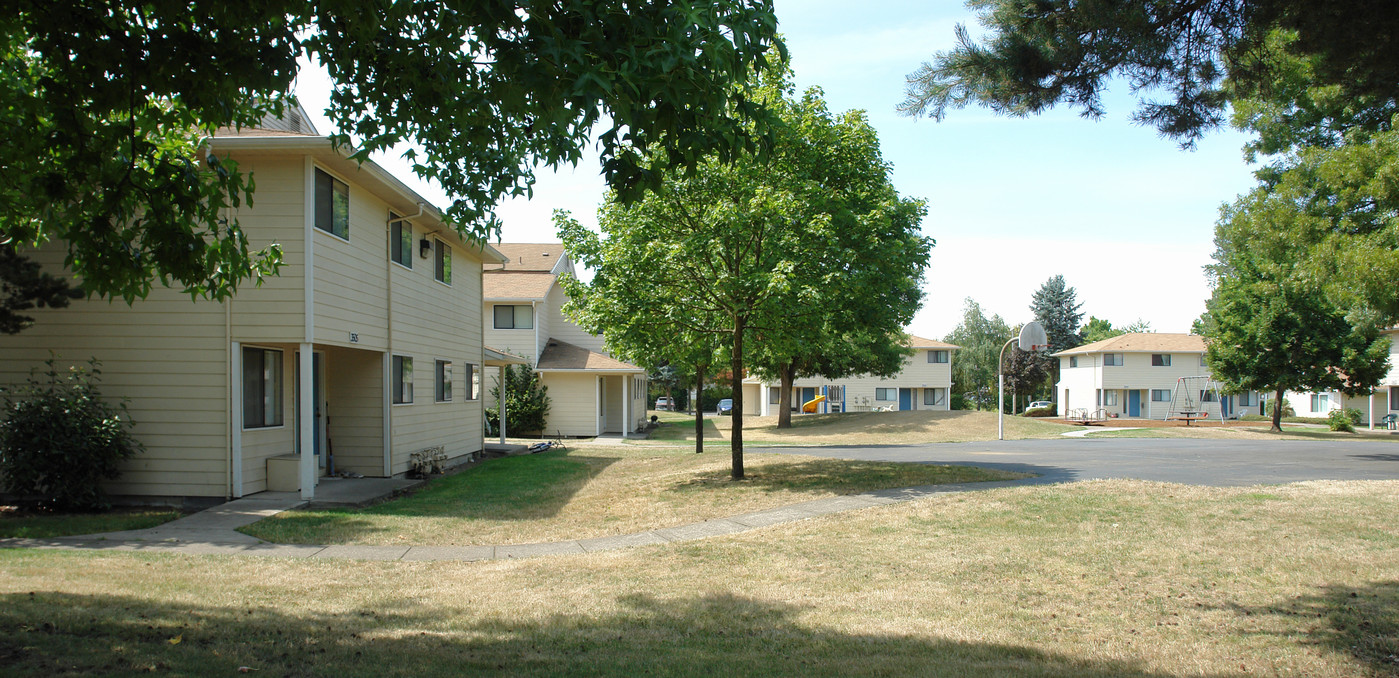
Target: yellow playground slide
(809, 406)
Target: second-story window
(937, 356)
(332, 205)
(401, 241)
(1073, 361)
(509, 317)
(1160, 360)
(1112, 359)
(443, 270)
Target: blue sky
(1125, 216)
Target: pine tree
(1056, 307)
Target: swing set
(1186, 407)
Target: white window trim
(342, 180)
(261, 347)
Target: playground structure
(1186, 407)
(809, 407)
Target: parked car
(726, 406)
(665, 404)
(1039, 403)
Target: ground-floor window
(1160, 395)
(262, 387)
(886, 394)
(1207, 396)
(1109, 398)
(936, 397)
(402, 380)
(1320, 401)
(1394, 397)
(442, 381)
(473, 387)
(774, 395)
(1246, 399)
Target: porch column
(626, 404)
(306, 426)
(500, 404)
(1372, 410)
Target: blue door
(808, 395)
(1226, 405)
(1134, 403)
(905, 398)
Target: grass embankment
(593, 492)
(858, 428)
(1107, 578)
(29, 525)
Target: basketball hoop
(1032, 337)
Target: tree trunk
(784, 400)
(1277, 413)
(736, 435)
(699, 408)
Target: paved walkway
(214, 531)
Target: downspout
(227, 392)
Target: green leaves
(107, 107)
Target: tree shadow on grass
(525, 487)
(843, 476)
(60, 634)
(1359, 621)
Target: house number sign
(354, 337)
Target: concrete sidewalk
(212, 532)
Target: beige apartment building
(365, 349)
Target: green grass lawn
(592, 492)
(1097, 579)
(42, 526)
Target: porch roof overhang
(497, 358)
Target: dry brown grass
(596, 492)
(1108, 578)
(865, 428)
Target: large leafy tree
(1272, 323)
(762, 248)
(108, 105)
(1196, 55)
(1283, 335)
(974, 369)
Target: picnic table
(1189, 416)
